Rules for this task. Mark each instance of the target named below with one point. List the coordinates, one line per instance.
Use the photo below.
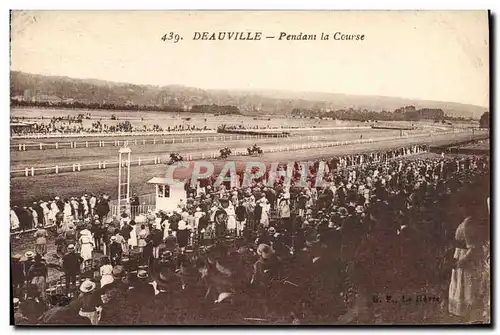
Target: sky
(420, 55)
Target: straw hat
(343, 211)
(17, 257)
(265, 251)
(142, 274)
(359, 209)
(71, 247)
(87, 286)
(29, 254)
(113, 238)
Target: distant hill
(249, 102)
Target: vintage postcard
(249, 167)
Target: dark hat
(166, 279)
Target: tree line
(407, 113)
(210, 109)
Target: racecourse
(26, 189)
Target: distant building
(27, 95)
(47, 98)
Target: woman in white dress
(14, 220)
(106, 272)
(264, 218)
(231, 218)
(86, 245)
(132, 241)
(53, 212)
(197, 215)
(67, 212)
(465, 286)
(46, 212)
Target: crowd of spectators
(381, 229)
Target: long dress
(231, 217)
(67, 213)
(41, 242)
(465, 286)
(132, 241)
(264, 219)
(86, 248)
(46, 212)
(53, 212)
(14, 220)
(106, 274)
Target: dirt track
(28, 189)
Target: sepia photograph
(250, 168)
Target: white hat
(57, 198)
(71, 247)
(113, 238)
(87, 286)
(198, 209)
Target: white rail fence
(122, 134)
(154, 141)
(154, 160)
(76, 167)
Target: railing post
(74, 167)
(79, 166)
(20, 147)
(139, 161)
(32, 171)
(57, 169)
(86, 144)
(154, 140)
(26, 172)
(143, 142)
(99, 165)
(103, 165)
(24, 147)
(41, 146)
(57, 145)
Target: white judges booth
(167, 196)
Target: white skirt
(86, 251)
(231, 222)
(106, 279)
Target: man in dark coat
(156, 239)
(18, 276)
(115, 251)
(102, 207)
(71, 265)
